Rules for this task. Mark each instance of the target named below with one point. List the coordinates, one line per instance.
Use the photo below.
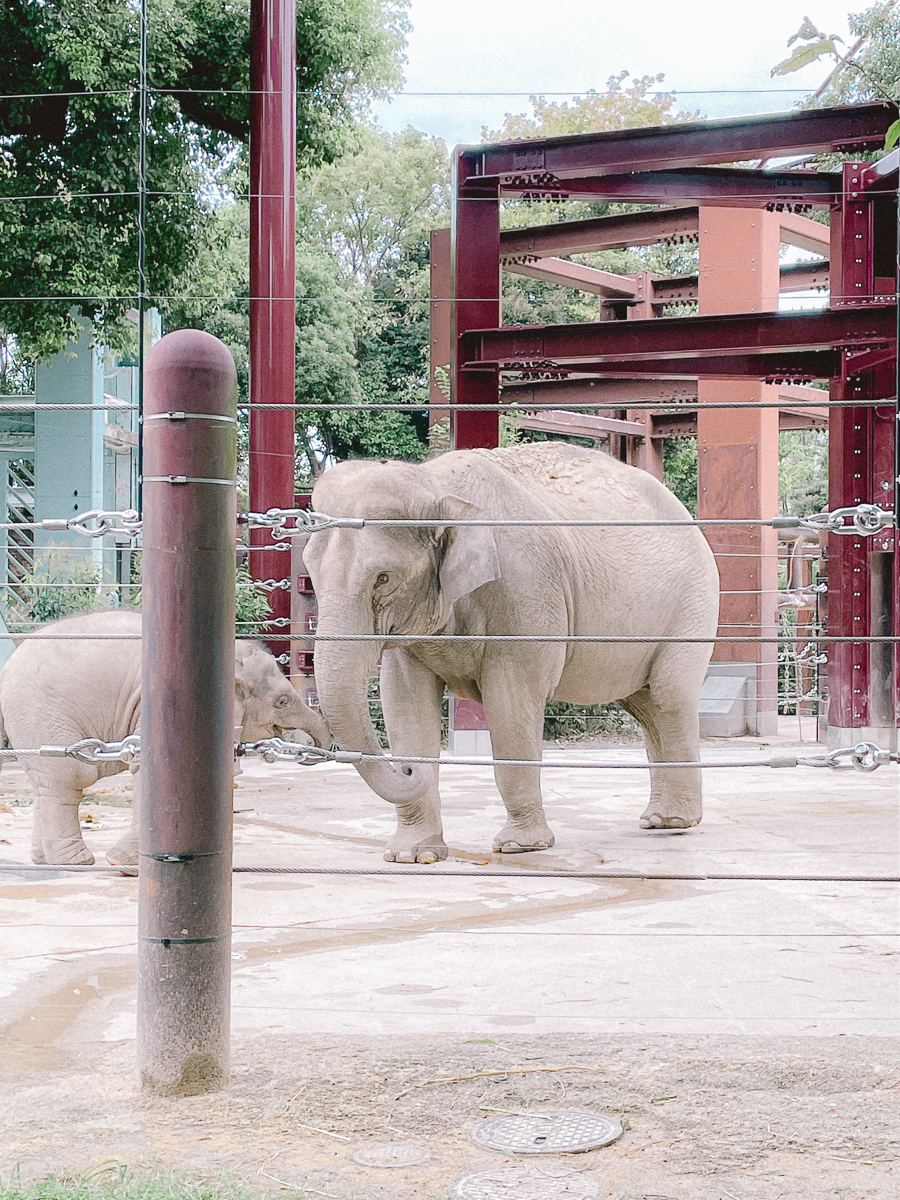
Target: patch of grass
(115, 1181)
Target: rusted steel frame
(805, 276)
(187, 717)
(581, 424)
(858, 126)
(601, 233)
(273, 120)
(684, 337)
(797, 230)
(475, 280)
(721, 186)
(860, 461)
(577, 276)
(776, 364)
(612, 391)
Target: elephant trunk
(343, 671)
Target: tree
(71, 138)
(867, 70)
(596, 112)
(373, 211)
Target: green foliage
(251, 602)
(78, 147)
(680, 470)
(870, 69)
(63, 585)
(619, 107)
(803, 471)
(573, 722)
(113, 1180)
(814, 45)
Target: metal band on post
(187, 719)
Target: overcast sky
(569, 46)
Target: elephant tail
(2, 738)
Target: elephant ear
(470, 557)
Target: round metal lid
(390, 1154)
(524, 1183)
(554, 1131)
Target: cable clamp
(97, 523)
(186, 479)
(864, 519)
(276, 749)
(188, 416)
(304, 521)
(95, 750)
(864, 756)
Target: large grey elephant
(657, 582)
(58, 692)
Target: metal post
(475, 276)
(273, 72)
(187, 718)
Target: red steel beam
(273, 50)
(776, 364)
(846, 128)
(600, 233)
(721, 186)
(678, 338)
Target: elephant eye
(382, 578)
(282, 701)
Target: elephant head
(383, 581)
(264, 701)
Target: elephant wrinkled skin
(640, 582)
(58, 692)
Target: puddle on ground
(29, 1042)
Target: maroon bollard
(187, 715)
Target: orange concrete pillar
(738, 454)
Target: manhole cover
(524, 1183)
(551, 1132)
(390, 1154)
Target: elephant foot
(122, 856)
(427, 850)
(522, 839)
(660, 816)
(37, 855)
(66, 852)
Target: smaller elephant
(58, 692)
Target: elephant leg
(57, 834)
(516, 721)
(125, 852)
(411, 697)
(672, 735)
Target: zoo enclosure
(749, 368)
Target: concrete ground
(432, 975)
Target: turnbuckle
(128, 522)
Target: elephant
(58, 692)
(640, 582)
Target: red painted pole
(475, 276)
(187, 715)
(273, 122)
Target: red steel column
(273, 121)
(475, 276)
(860, 675)
(187, 716)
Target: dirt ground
(739, 1031)
(705, 1118)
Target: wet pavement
(419, 954)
